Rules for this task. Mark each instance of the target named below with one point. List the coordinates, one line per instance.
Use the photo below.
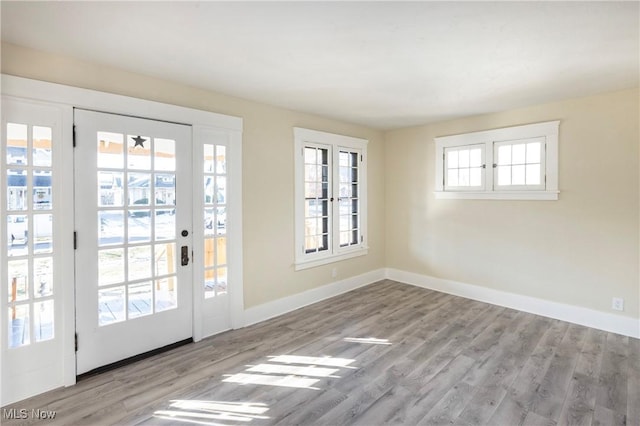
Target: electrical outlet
(334, 272)
(617, 303)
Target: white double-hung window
(331, 197)
(513, 163)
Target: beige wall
(581, 250)
(267, 168)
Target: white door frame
(68, 97)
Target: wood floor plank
(385, 354)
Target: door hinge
(75, 240)
(74, 135)
(362, 238)
(76, 341)
(361, 158)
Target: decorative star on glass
(139, 141)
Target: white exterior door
(133, 210)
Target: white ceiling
(381, 64)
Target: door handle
(184, 255)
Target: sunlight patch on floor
(369, 340)
(270, 380)
(308, 370)
(313, 360)
(212, 412)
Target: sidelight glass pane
(209, 283)
(111, 305)
(166, 294)
(138, 152)
(140, 299)
(221, 189)
(221, 159)
(221, 281)
(209, 252)
(17, 144)
(110, 266)
(110, 150)
(18, 322)
(17, 197)
(43, 321)
(42, 146)
(164, 154)
(18, 280)
(209, 158)
(42, 233)
(139, 262)
(110, 189)
(221, 251)
(17, 235)
(209, 190)
(42, 276)
(42, 189)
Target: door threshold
(131, 360)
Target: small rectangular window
(514, 163)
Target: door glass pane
(140, 298)
(110, 227)
(43, 320)
(139, 189)
(110, 189)
(110, 150)
(138, 152)
(166, 294)
(221, 159)
(139, 226)
(165, 259)
(111, 307)
(139, 261)
(110, 266)
(42, 146)
(164, 154)
(17, 144)
(18, 326)
(165, 224)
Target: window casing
(514, 163)
(330, 188)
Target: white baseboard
(575, 314)
(278, 307)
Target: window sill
(308, 264)
(497, 195)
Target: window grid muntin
(215, 214)
(144, 167)
(317, 158)
(30, 211)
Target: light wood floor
(388, 353)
